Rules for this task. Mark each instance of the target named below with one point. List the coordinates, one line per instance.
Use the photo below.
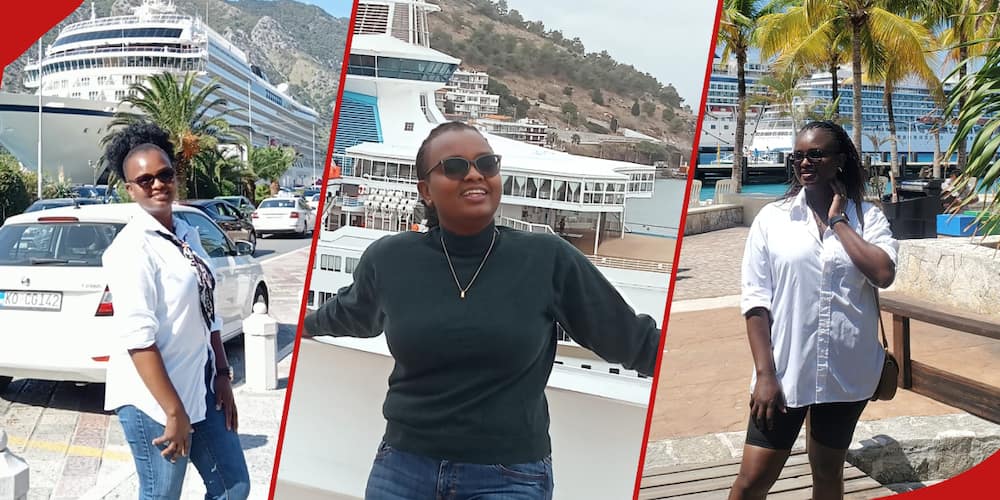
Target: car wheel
(253, 243)
(4, 382)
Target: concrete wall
(953, 271)
(712, 218)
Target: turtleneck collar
(475, 244)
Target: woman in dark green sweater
(469, 312)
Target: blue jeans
(215, 452)
(399, 475)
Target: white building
(466, 91)
(524, 130)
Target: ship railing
(384, 178)
(651, 266)
(521, 225)
(122, 50)
(350, 201)
(120, 20)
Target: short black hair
(134, 138)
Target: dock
(712, 481)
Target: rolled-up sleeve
(756, 284)
(878, 232)
(132, 280)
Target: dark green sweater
(470, 374)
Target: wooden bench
(967, 394)
(713, 480)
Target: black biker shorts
(832, 425)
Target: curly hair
(135, 138)
(853, 173)
(423, 169)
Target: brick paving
(709, 265)
(74, 449)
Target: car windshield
(277, 204)
(79, 244)
(235, 200)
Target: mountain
(291, 41)
(545, 74)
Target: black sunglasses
(457, 168)
(145, 181)
(812, 154)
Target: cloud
(668, 39)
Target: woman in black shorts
(808, 269)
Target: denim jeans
(399, 475)
(215, 452)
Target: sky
(336, 8)
(669, 39)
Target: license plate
(39, 301)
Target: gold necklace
(461, 291)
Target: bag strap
(878, 306)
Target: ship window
(508, 184)
(350, 264)
(120, 33)
(408, 126)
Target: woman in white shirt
(169, 379)
(808, 269)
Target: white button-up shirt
(824, 334)
(154, 290)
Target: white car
(55, 305)
(283, 215)
(314, 202)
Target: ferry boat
(89, 68)
(387, 109)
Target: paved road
(74, 449)
(272, 246)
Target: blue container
(956, 225)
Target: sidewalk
(74, 449)
(703, 391)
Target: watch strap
(838, 218)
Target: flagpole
(39, 118)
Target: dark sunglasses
(457, 168)
(145, 181)
(812, 154)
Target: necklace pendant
(461, 295)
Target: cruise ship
(914, 108)
(718, 130)
(88, 70)
(387, 109)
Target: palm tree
(875, 29)
(783, 92)
(181, 111)
(975, 105)
(793, 37)
(269, 163)
(737, 26)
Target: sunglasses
(145, 181)
(457, 168)
(812, 155)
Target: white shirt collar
(149, 224)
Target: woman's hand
(225, 401)
(766, 401)
(839, 203)
(176, 436)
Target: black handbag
(889, 380)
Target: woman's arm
(597, 317)
(355, 310)
(875, 258)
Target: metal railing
(630, 264)
(120, 20)
(521, 225)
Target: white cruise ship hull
(71, 134)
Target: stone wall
(712, 218)
(960, 272)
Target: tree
(635, 109)
(649, 108)
(270, 163)
(597, 97)
(782, 91)
(14, 195)
(521, 108)
(568, 90)
(551, 137)
(541, 96)
(613, 124)
(667, 114)
(182, 112)
(737, 26)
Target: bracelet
(837, 218)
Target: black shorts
(832, 425)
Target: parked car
(242, 203)
(309, 192)
(283, 215)
(54, 297)
(236, 224)
(314, 201)
(100, 192)
(61, 202)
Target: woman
(169, 380)
(808, 270)
(469, 312)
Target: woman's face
(468, 203)
(820, 158)
(151, 181)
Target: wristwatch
(838, 218)
(225, 371)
